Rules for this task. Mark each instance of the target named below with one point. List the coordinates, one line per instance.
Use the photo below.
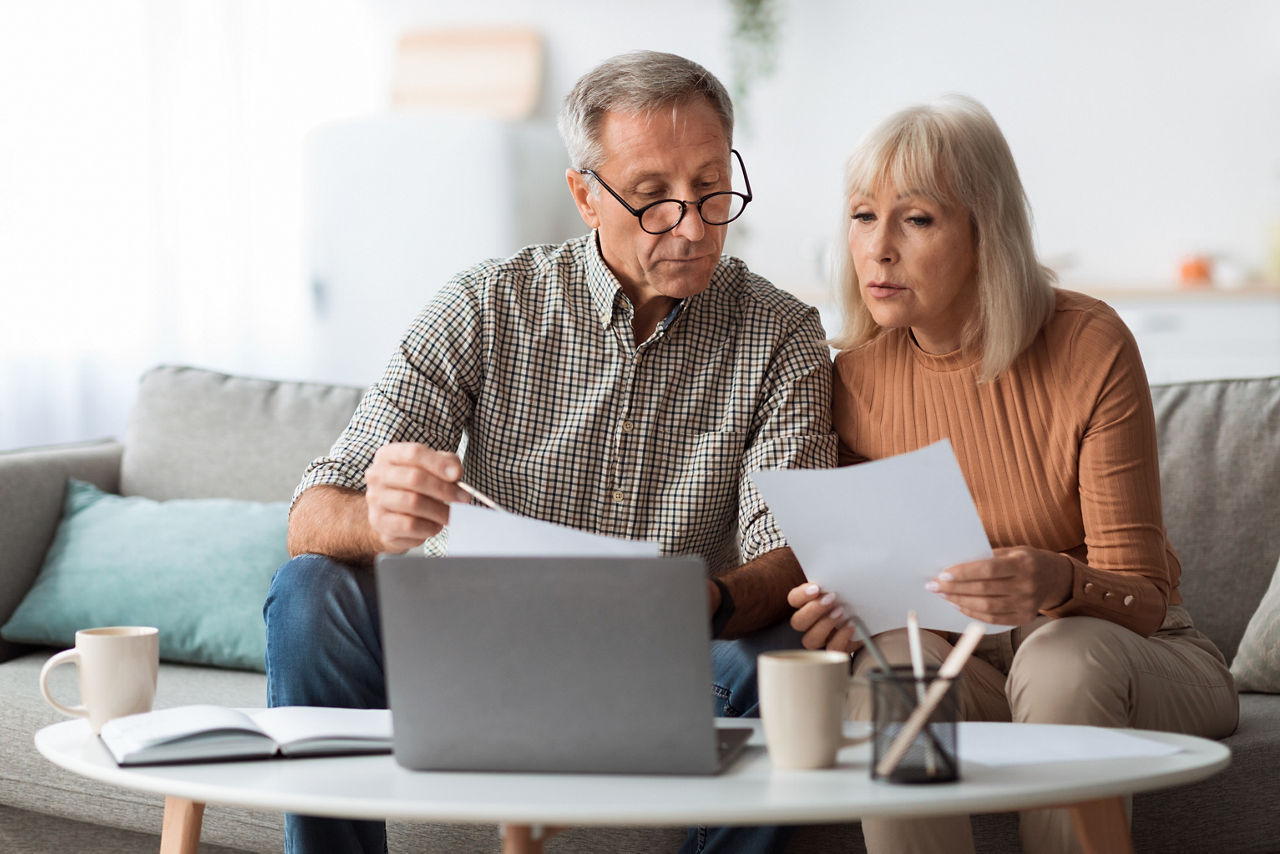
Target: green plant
(753, 47)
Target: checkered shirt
(568, 420)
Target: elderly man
(625, 382)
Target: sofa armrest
(32, 486)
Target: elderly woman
(954, 330)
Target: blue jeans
(733, 682)
(324, 648)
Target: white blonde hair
(953, 152)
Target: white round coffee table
(530, 806)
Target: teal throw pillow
(197, 569)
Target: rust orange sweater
(1059, 451)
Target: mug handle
(64, 657)
(852, 741)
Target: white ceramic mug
(117, 672)
(802, 705)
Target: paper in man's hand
(875, 533)
(477, 531)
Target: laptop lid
(589, 665)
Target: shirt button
(1088, 587)
(618, 496)
(1128, 600)
(627, 426)
(1108, 595)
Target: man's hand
(823, 619)
(1009, 588)
(409, 491)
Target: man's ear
(582, 197)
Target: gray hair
(953, 151)
(634, 84)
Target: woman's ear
(580, 189)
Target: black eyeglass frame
(638, 213)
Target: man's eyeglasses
(720, 208)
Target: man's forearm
(333, 521)
(759, 590)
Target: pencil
(949, 670)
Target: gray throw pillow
(1256, 667)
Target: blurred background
(275, 187)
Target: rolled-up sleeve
(792, 428)
(425, 394)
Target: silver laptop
(588, 665)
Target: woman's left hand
(1010, 588)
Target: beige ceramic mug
(802, 704)
(117, 672)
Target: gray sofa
(196, 433)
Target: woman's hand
(823, 619)
(1010, 588)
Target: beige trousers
(1073, 670)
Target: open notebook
(205, 733)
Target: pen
(479, 496)
(917, 669)
(917, 653)
(865, 636)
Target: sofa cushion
(1234, 810)
(32, 488)
(1220, 481)
(198, 569)
(201, 434)
(32, 782)
(1256, 666)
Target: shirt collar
(671, 316)
(605, 287)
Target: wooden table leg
(181, 833)
(526, 839)
(1102, 827)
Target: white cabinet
(399, 203)
(1200, 335)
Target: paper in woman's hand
(875, 533)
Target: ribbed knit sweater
(1059, 451)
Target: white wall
(1144, 130)
(151, 193)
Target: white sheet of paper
(875, 533)
(1000, 744)
(479, 531)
